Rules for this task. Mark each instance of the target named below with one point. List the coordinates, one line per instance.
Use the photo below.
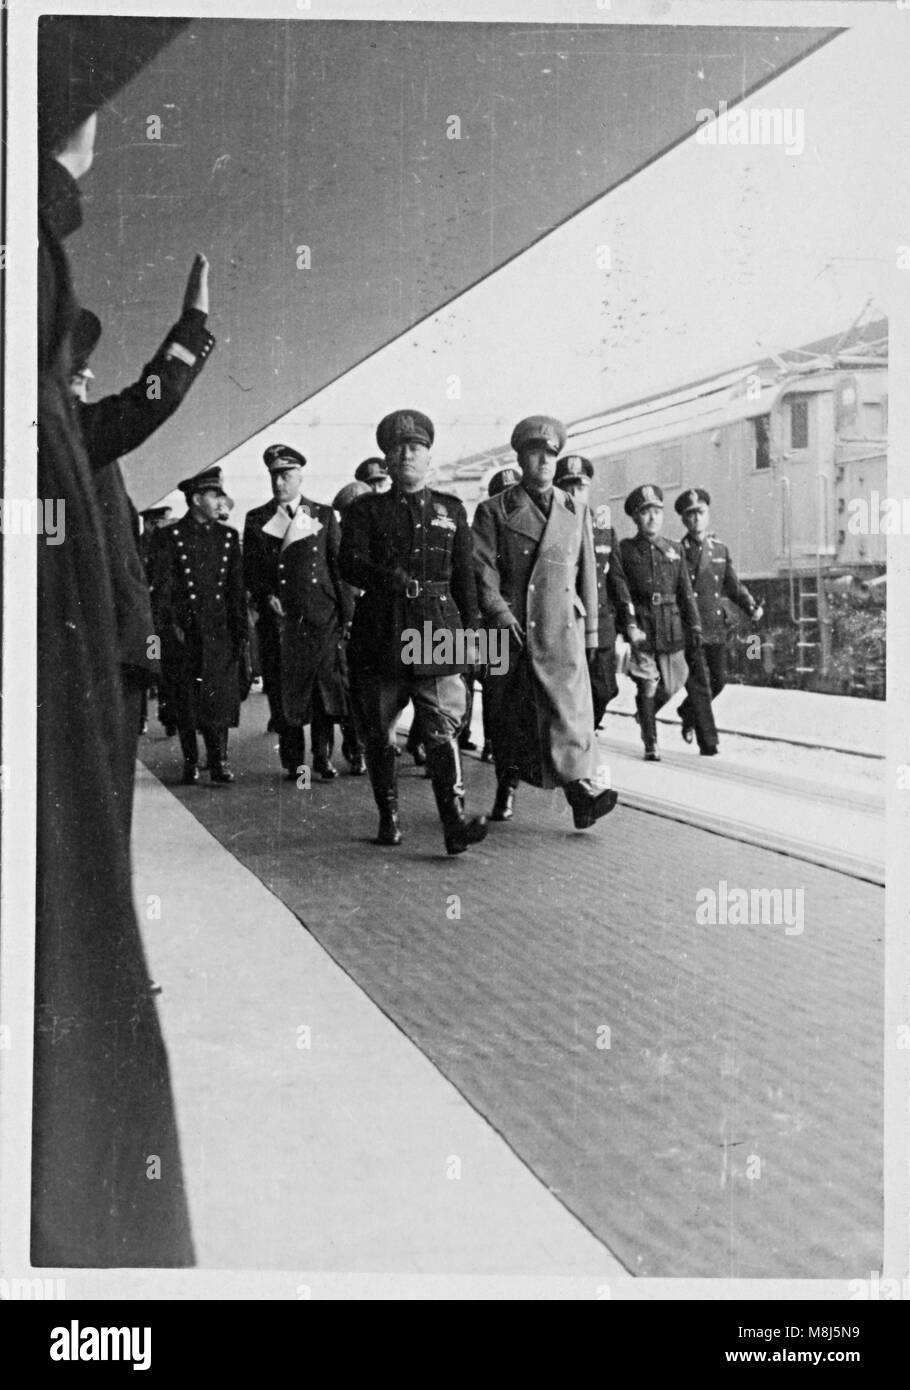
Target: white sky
(719, 254)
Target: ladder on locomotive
(808, 627)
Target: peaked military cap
(506, 477)
(209, 480)
(648, 495)
(277, 457)
(572, 466)
(402, 426)
(692, 497)
(152, 513)
(539, 429)
(370, 470)
(86, 333)
(346, 495)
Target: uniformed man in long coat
(290, 565)
(534, 561)
(615, 610)
(352, 747)
(713, 580)
(501, 479)
(665, 610)
(200, 614)
(409, 550)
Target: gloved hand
(196, 294)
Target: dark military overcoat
(301, 570)
(200, 616)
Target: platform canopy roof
(349, 180)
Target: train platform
(559, 1054)
(803, 718)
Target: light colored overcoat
(540, 571)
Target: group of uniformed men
(333, 602)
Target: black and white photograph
(455, 655)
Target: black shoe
(389, 832)
(504, 805)
(143, 727)
(418, 753)
(486, 755)
(467, 744)
(589, 805)
(652, 755)
(467, 830)
(221, 774)
(190, 774)
(170, 730)
(709, 752)
(271, 727)
(688, 733)
(358, 765)
(325, 769)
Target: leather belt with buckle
(414, 588)
(658, 599)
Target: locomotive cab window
(761, 431)
(799, 422)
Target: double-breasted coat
(392, 539)
(540, 570)
(713, 579)
(300, 568)
(200, 615)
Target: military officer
(505, 477)
(615, 610)
(534, 560)
(713, 579)
(665, 610)
(290, 564)
(352, 728)
(200, 614)
(409, 550)
(374, 473)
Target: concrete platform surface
(314, 1134)
(704, 1093)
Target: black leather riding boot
(647, 718)
(444, 765)
(383, 770)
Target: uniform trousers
(602, 670)
(439, 704)
(698, 693)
